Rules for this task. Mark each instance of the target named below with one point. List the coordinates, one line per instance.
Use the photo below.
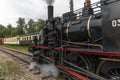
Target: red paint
(1, 40)
(94, 53)
(72, 73)
(84, 52)
(42, 47)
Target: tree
(2, 31)
(14, 32)
(40, 24)
(9, 30)
(21, 26)
(31, 26)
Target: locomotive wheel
(80, 61)
(109, 70)
(51, 54)
(37, 56)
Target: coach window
(17, 39)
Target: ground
(19, 71)
(9, 70)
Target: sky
(11, 10)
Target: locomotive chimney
(50, 12)
(71, 6)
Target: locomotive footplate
(83, 51)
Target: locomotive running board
(78, 51)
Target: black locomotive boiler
(84, 44)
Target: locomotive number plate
(116, 23)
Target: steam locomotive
(84, 44)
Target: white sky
(10, 10)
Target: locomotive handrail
(84, 44)
(95, 6)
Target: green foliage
(33, 26)
(40, 24)
(9, 31)
(22, 27)
(23, 48)
(2, 31)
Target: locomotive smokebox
(50, 12)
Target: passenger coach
(12, 40)
(21, 40)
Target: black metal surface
(79, 32)
(111, 25)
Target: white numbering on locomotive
(116, 23)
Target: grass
(10, 71)
(17, 47)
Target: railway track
(20, 57)
(23, 59)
